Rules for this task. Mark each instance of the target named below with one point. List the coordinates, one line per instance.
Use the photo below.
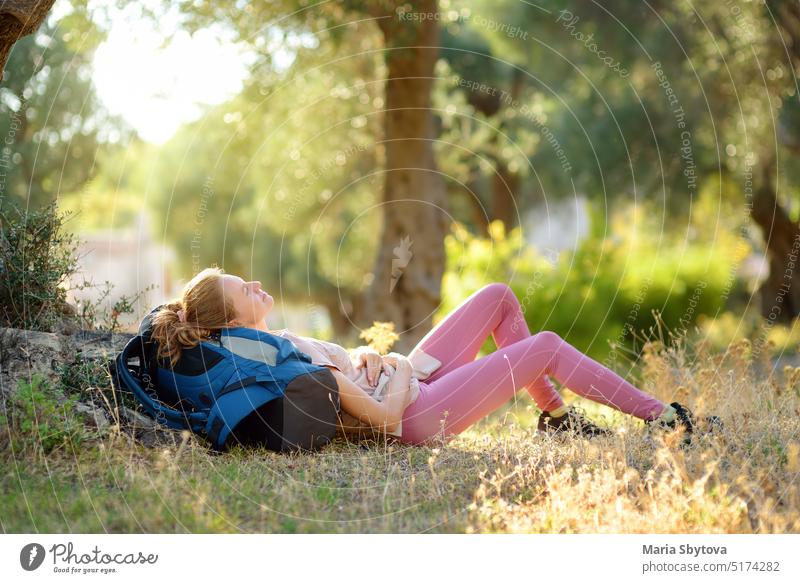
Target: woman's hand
(398, 361)
(372, 360)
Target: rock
(66, 326)
(136, 419)
(159, 437)
(96, 344)
(148, 431)
(24, 353)
(94, 415)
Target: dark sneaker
(685, 418)
(572, 421)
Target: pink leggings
(469, 389)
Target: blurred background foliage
(609, 287)
(279, 181)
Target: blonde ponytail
(206, 310)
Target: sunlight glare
(158, 88)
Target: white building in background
(309, 320)
(131, 261)
(557, 225)
(561, 225)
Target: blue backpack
(240, 386)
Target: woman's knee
(546, 344)
(500, 292)
(496, 287)
(547, 338)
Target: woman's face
(252, 304)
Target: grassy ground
(499, 476)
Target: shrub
(93, 316)
(601, 295)
(37, 257)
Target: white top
(331, 354)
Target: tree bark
(341, 325)
(505, 187)
(506, 183)
(780, 292)
(410, 264)
(19, 18)
(473, 195)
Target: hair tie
(181, 315)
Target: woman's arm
(358, 403)
(398, 389)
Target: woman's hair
(205, 310)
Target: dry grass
(499, 476)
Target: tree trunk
(19, 18)
(410, 264)
(780, 292)
(504, 183)
(505, 187)
(505, 205)
(473, 195)
(341, 308)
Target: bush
(37, 257)
(37, 261)
(601, 296)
